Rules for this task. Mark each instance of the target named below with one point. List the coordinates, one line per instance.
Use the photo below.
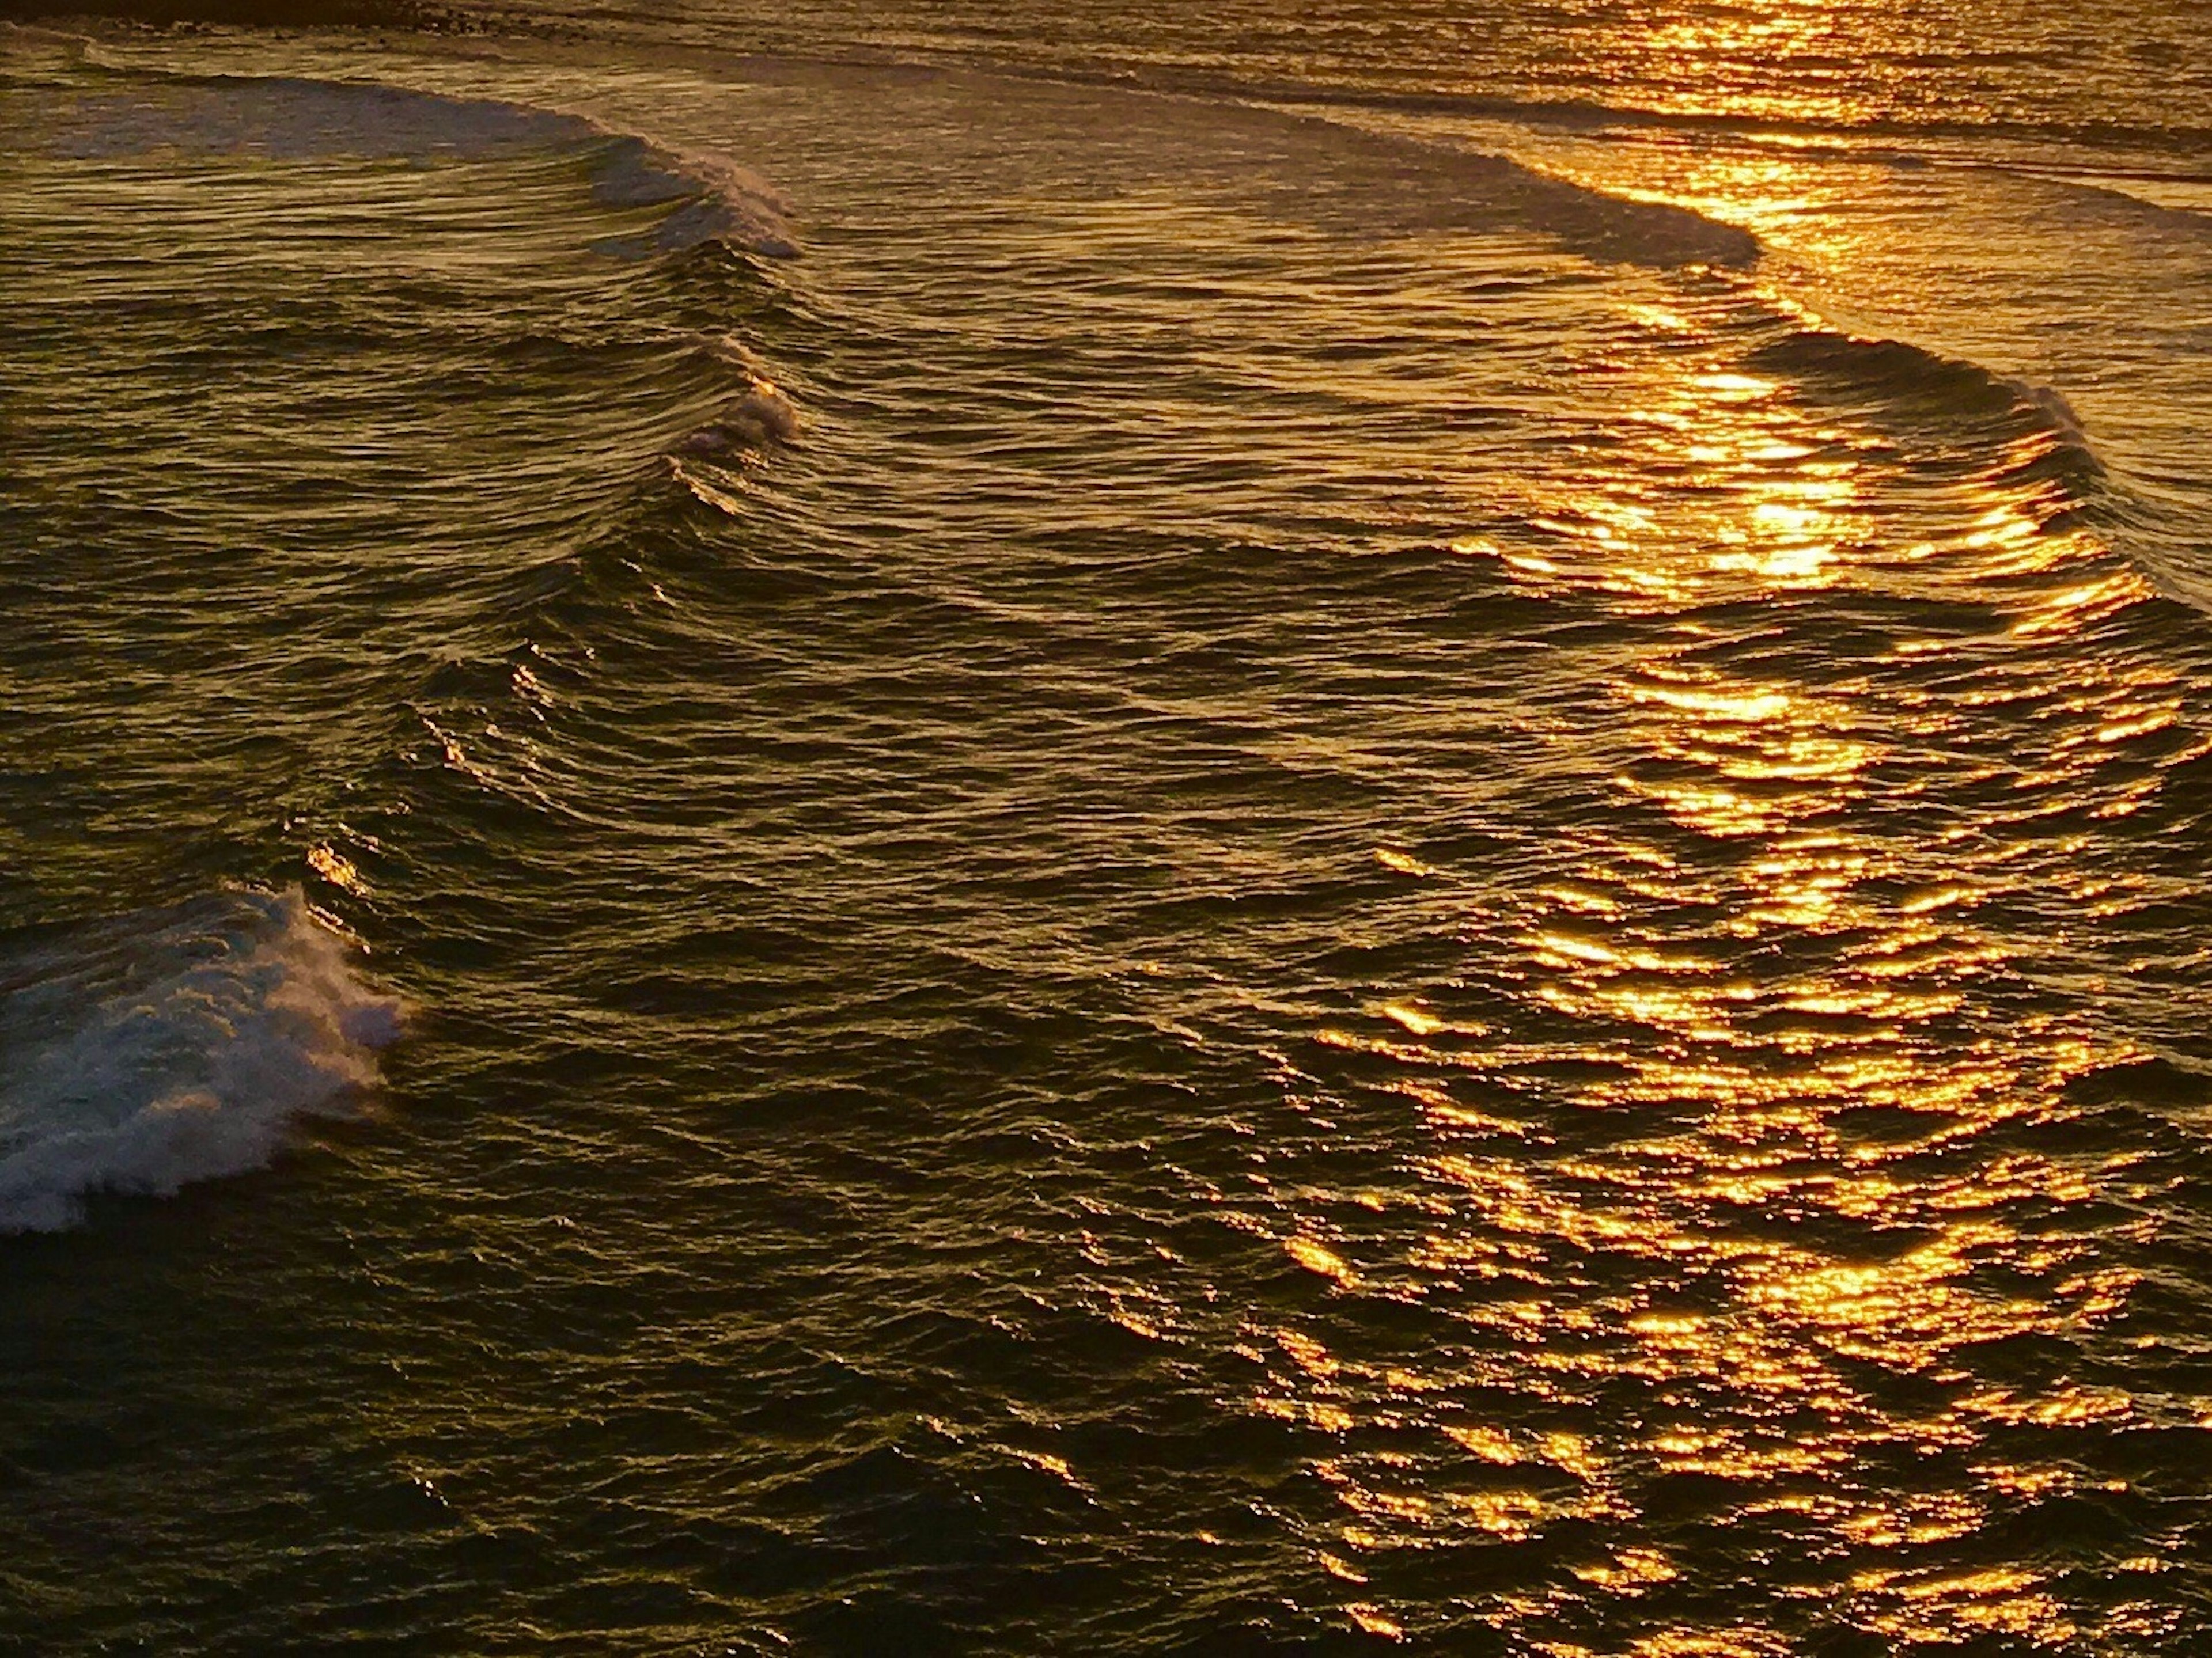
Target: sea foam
(144, 1052)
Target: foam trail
(145, 1051)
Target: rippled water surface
(1053, 832)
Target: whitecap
(144, 1052)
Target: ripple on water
(1322, 919)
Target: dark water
(941, 832)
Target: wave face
(698, 196)
(147, 1052)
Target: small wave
(1897, 377)
(1458, 184)
(706, 198)
(2169, 132)
(2187, 200)
(148, 1051)
(760, 418)
(2031, 434)
(711, 198)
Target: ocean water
(911, 828)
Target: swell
(1889, 378)
(711, 198)
(145, 1051)
(2029, 431)
(702, 196)
(1587, 116)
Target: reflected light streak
(1768, 995)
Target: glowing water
(1376, 832)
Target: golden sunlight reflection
(1733, 488)
(1720, 40)
(1764, 1191)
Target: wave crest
(2032, 427)
(148, 1051)
(140, 108)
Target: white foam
(758, 419)
(143, 1052)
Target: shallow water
(1108, 833)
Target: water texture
(937, 829)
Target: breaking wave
(144, 1052)
(1888, 377)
